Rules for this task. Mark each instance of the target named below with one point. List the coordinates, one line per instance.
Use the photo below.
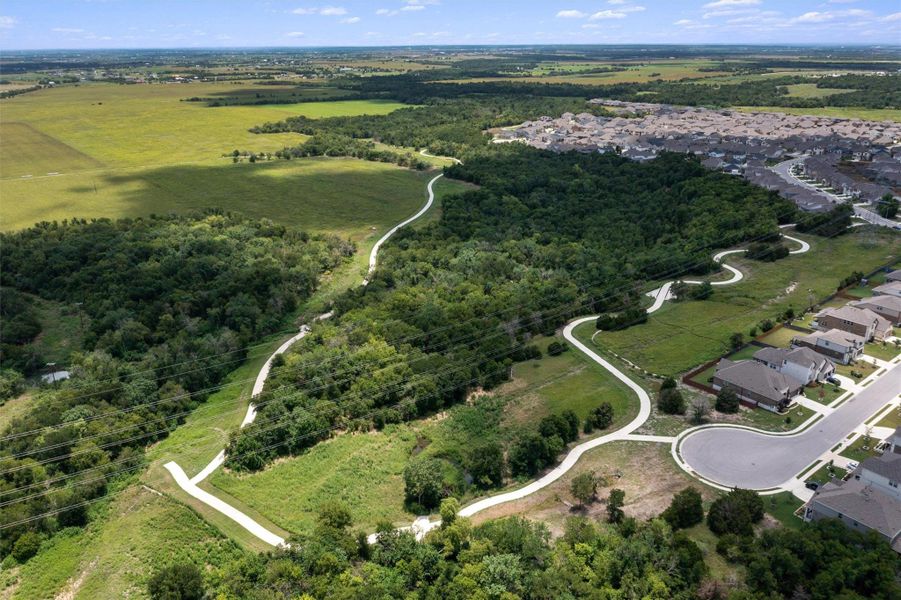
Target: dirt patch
(644, 470)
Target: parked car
(852, 466)
(833, 380)
(812, 485)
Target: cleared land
(810, 90)
(25, 150)
(682, 335)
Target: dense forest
(513, 558)
(544, 238)
(172, 303)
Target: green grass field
(682, 335)
(810, 90)
(147, 125)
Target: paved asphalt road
(737, 457)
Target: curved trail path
(190, 485)
(422, 524)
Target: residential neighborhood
(870, 498)
(853, 158)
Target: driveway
(739, 457)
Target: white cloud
(607, 14)
(410, 7)
(892, 17)
(571, 14)
(385, 11)
(351, 20)
(7, 22)
(617, 1)
(683, 22)
(724, 3)
(326, 11)
(825, 16)
(67, 30)
(294, 34)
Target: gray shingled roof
(889, 302)
(858, 500)
(755, 377)
(799, 356)
(836, 336)
(887, 465)
(861, 316)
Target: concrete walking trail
(422, 524)
(190, 485)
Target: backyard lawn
(826, 473)
(856, 452)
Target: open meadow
(682, 335)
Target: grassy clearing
(362, 470)
(13, 408)
(62, 330)
(720, 568)
(827, 473)
(782, 507)
(115, 555)
(682, 335)
(810, 90)
(841, 112)
(864, 367)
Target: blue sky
(33, 24)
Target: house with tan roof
(893, 276)
(859, 321)
(892, 288)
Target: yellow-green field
(667, 70)
(146, 125)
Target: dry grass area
(644, 470)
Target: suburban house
(802, 363)
(870, 500)
(887, 307)
(859, 321)
(892, 288)
(756, 384)
(893, 276)
(840, 346)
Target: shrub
(556, 348)
(685, 510)
(26, 546)
(12, 383)
(671, 402)
(600, 417)
(615, 504)
(737, 340)
(727, 401)
(178, 582)
(735, 512)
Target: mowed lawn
(682, 335)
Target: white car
(852, 466)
